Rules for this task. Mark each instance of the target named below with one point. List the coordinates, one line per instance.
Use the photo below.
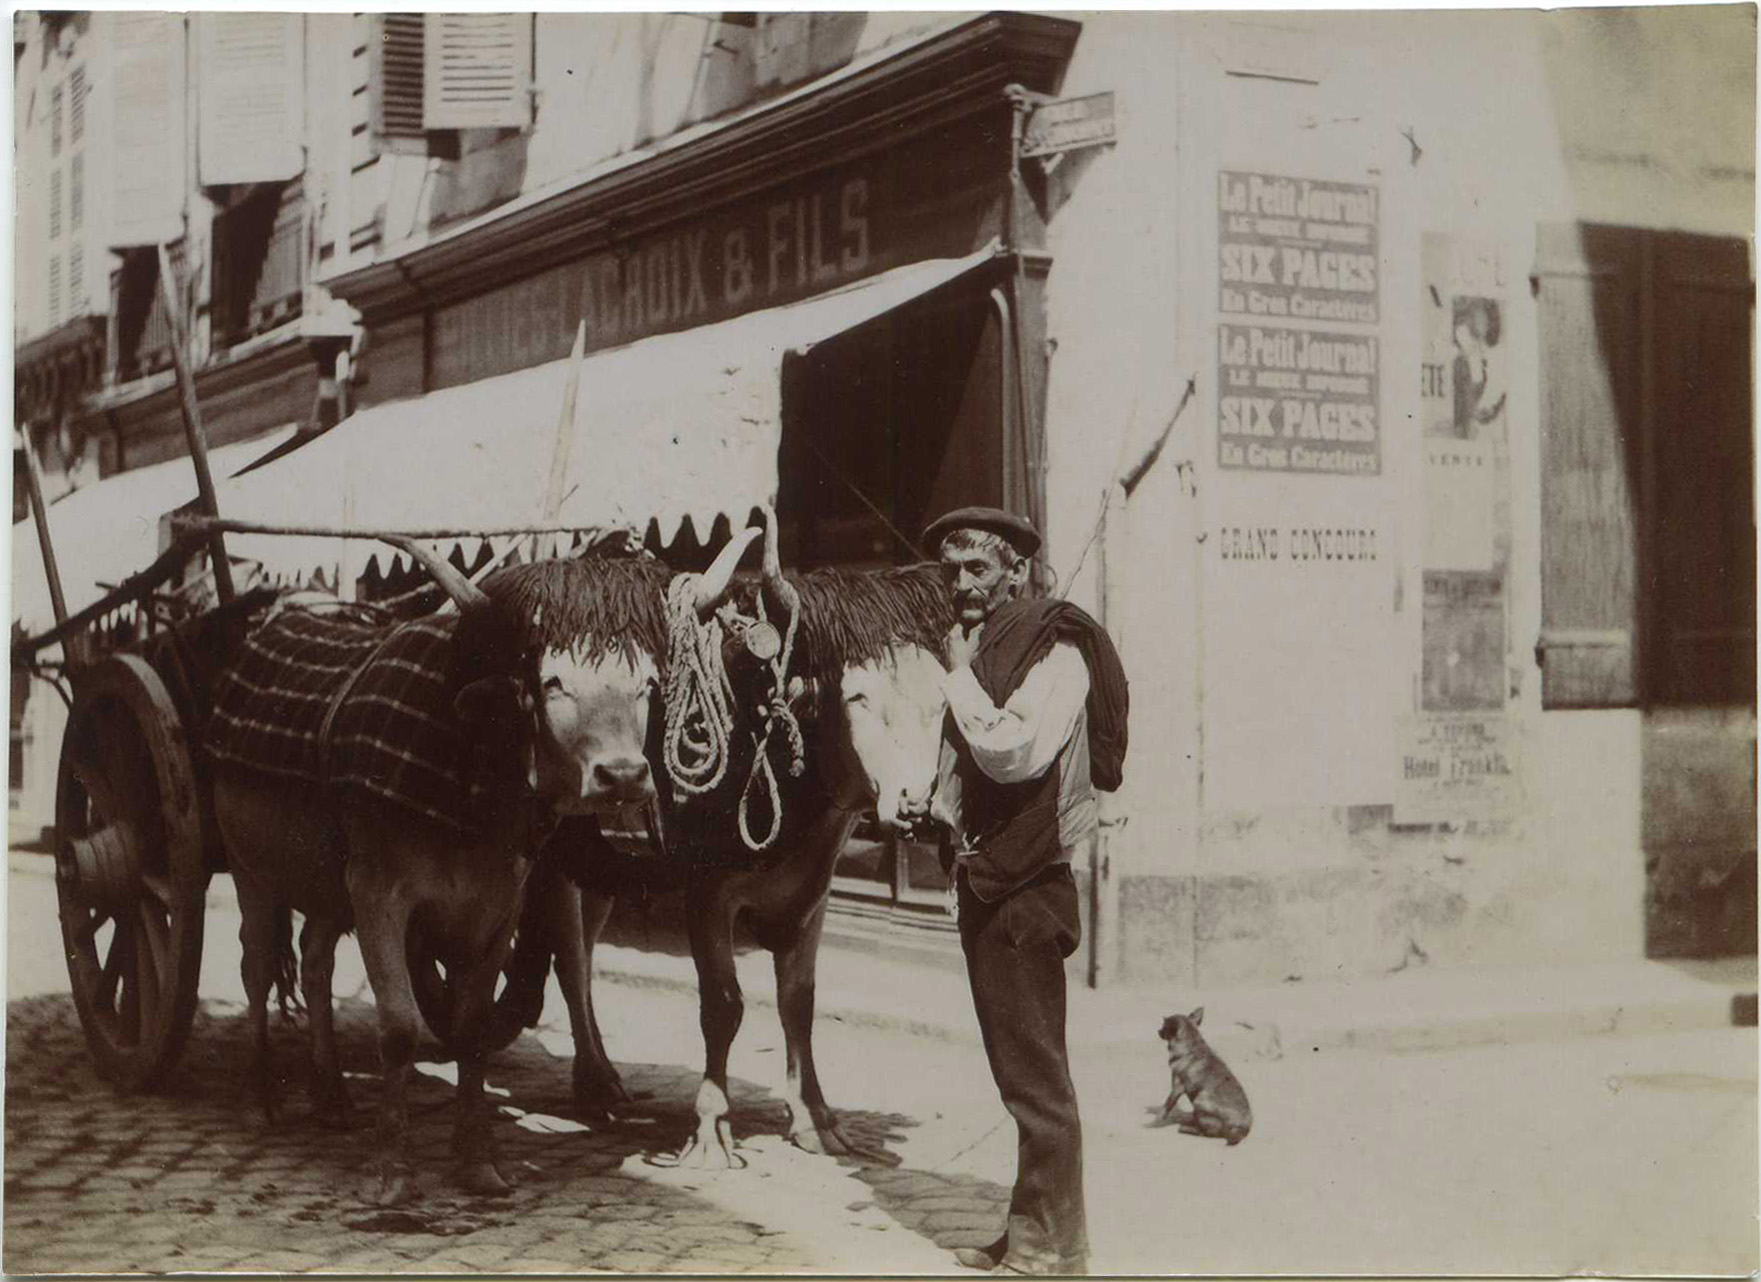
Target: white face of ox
(595, 716)
(893, 712)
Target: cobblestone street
(193, 1180)
(1612, 1154)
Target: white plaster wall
(1283, 683)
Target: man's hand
(913, 816)
(962, 645)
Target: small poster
(1297, 400)
(1457, 766)
(1298, 249)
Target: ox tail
(287, 964)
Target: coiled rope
(700, 704)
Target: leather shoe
(984, 1258)
(1044, 1266)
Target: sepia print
(887, 643)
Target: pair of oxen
(574, 708)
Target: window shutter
(76, 280)
(1587, 288)
(396, 58)
(1703, 651)
(76, 192)
(147, 127)
(55, 202)
(76, 105)
(252, 104)
(54, 290)
(55, 100)
(477, 71)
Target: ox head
(570, 720)
(879, 705)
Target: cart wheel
(519, 996)
(129, 871)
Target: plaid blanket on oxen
(395, 736)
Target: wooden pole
(33, 476)
(170, 292)
(565, 439)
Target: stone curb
(1463, 1011)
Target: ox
(551, 670)
(870, 650)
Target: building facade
(1392, 412)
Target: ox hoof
(482, 1179)
(827, 1139)
(711, 1149)
(391, 1186)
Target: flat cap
(1017, 530)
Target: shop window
(1648, 519)
(259, 262)
(884, 428)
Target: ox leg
(476, 1169)
(599, 1091)
(256, 934)
(720, 1009)
(384, 920)
(812, 1124)
(318, 941)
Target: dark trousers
(1015, 949)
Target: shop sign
(799, 241)
(1298, 249)
(1457, 766)
(1298, 400)
(1069, 124)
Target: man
(1036, 703)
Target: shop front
(832, 302)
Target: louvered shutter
(477, 71)
(395, 88)
(76, 105)
(251, 97)
(1587, 287)
(55, 117)
(55, 202)
(76, 280)
(76, 191)
(146, 127)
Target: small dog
(1219, 1105)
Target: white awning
(677, 425)
(105, 532)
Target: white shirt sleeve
(1021, 739)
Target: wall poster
(1301, 397)
(1456, 757)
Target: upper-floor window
(55, 202)
(76, 191)
(76, 280)
(54, 290)
(55, 104)
(446, 71)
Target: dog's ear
(1197, 1017)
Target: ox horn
(713, 586)
(466, 593)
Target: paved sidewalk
(1415, 1010)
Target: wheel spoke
(147, 977)
(129, 1000)
(112, 969)
(156, 930)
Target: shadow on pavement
(191, 1178)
